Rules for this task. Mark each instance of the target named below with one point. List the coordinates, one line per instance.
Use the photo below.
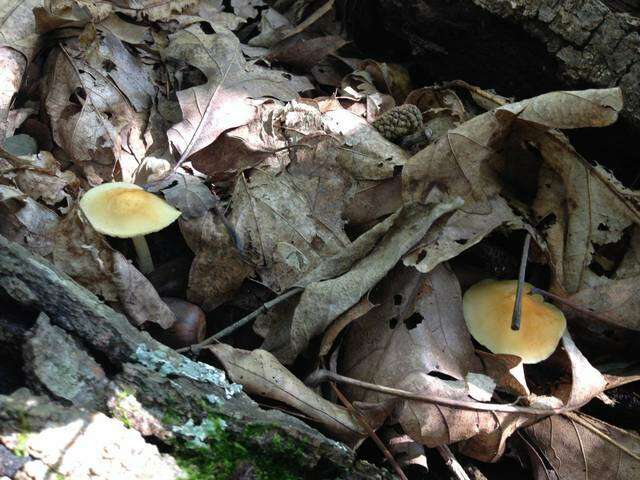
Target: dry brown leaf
(586, 382)
(261, 374)
(506, 370)
(417, 326)
(365, 206)
(18, 44)
(247, 146)
(343, 321)
(91, 119)
(323, 301)
(417, 330)
(273, 28)
(278, 227)
(84, 255)
(217, 270)
(154, 10)
(366, 155)
(126, 71)
(42, 179)
(617, 300)
(371, 77)
(25, 221)
(18, 26)
(224, 102)
(304, 53)
(573, 109)
(247, 8)
(461, 231)
(459, 162)
(594, 210)
(575, 452)
(56, 14)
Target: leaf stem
(322, 375)
(574, 306)
(517, 307)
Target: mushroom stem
(145, 262)
(517, 308)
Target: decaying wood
(158, 378)
(517, 47)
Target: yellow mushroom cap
(125, 210)
(488, 309)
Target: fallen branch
(242, 322)
(159, 379)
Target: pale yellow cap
(488, 309)
(125, 210)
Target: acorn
(190, 326)
(399, 122)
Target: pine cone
(399, 122)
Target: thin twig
(600, 433)
(242, 322)
(517, 307)
(452, 463)
(319, 13)
(324, 375)
(574, 306)
(374, 436)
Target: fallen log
(154, 389)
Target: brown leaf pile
(255, 124)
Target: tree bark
(161, 380)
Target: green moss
(120, 412)
(22, 449)
(210, 451)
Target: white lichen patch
(94, 447)
(197, 434)
(201, 372)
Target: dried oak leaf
(304, 53)
(276, 225)
(85, 256)
(571, 451)
(223, 102)
(127, 72)
(459, 232)
(466, 158)
(156, 11)
(218, 270)
(260, 373)
(42, 179)
(416, 325)
(586, 382)
(325, 299)
(98, 122)
(18, 44)
(418, 330)
(187, 193)
(617, 300)
(25, 221)
(55, 14)
(592, 209)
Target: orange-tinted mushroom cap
(488, 309)
(125, 210)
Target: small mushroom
(189, 328)
(488, 308)
(125, 210)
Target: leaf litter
(263, 138)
